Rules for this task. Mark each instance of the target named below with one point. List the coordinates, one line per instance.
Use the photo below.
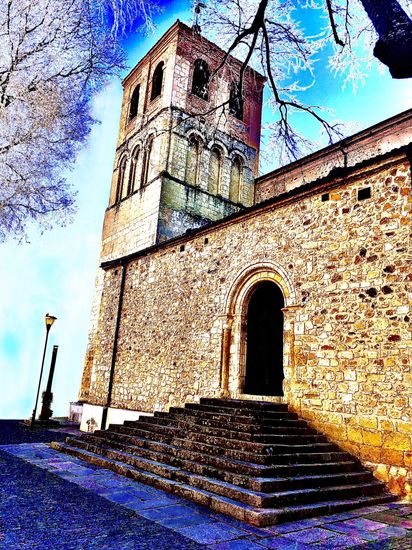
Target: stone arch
(121, 176)
(200, 79)
(251, 275)
(147, 161)
(238, 153)
(134, 159)
(216, 143)
(233, 359)
(195, 145)
(195, 133)
(157, 81)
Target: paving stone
(39, 508)
(342, 516)
(173, 511)
(211, 533)
(364, 523)
(391, 519)
(363, 534)
(339, 541)
(240, 544)
(282, 543)
(310, 535)
(185, 521)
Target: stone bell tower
(187, 152)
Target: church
(292, 288)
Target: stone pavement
(51, 500)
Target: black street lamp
(49, 320)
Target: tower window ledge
(194, 97)
(237, 122)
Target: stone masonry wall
(344, 266)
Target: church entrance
(264, 344)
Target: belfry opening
(264, 341)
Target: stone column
(289, 364)
(225, 357)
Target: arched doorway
(264, 341)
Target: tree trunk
(394, 47)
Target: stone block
(372, 438)
(370, 454)
(390, 456)
(397, 441)
(355, 434)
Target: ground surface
(49, 500)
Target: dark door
(264, 345)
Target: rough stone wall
(376, 140)
(346, 263)
(184, 208)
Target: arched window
(146, 162)
(157, 81)
(134, 103)
(200, 82)
(215, 170)
(132, 185)
(193, 161)
(121, 172)
(235, 101)
(235, 180)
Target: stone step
(281, 454)
(138, 432)
(189, 426)
(251, 514)
(252, 456)
(280, 443)
(219, 467)
(280, 409)
(246, 496)
(243, 404)
(252, 452)
(264, 418)
(257, 427)
(258, 443)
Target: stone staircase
(254, 461)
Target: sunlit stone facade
(170, 321)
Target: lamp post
(49, 320)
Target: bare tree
(273, 36)
(53, 56)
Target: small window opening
(134, 103)
(215, 171)
(157, 81)
(364, 193)
(193, 161)
(235, 180)
(120, 191)
(324, 197)
(182, 248)
(206, 240)
(200, 82)
(236, 101)
(146, 162)
(132, 184)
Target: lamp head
(49, 320)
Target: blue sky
(55, 272)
